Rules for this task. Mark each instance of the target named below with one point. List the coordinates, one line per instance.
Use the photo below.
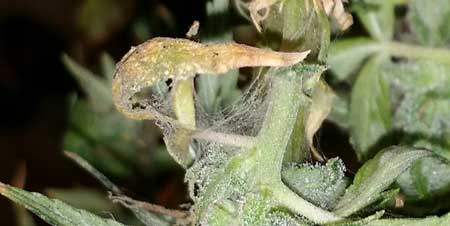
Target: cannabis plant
(249, 156)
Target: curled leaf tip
(161, 59)
(295, 57)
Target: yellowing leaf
(322, 99)
(160, 59)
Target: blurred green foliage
(400, 91)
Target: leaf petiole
(400, 49)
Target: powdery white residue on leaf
(161, 59)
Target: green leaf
(347, 55)
(375, 176)
(425, 120)
(90, 132)
(218, 22)
(428, 221)
(426, 182)
(97, 89)
(322, 185)
(104, 159)
(422, 117)
(217, 92)
(54, 211)
(378, 17)
(423, 110)
(422, 97)
(386, 200)
(340, 111)
(429, 21)
(91, 135)
(370, 110)
(108, 66)
(418, 77)
(83, 198)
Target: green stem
(279, 123)
(271, 144)
(418, 52)
(290, 200)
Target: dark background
(34, 84)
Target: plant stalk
(271, 144)
(290, 200)
(279, 123)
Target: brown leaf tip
(2, 188)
